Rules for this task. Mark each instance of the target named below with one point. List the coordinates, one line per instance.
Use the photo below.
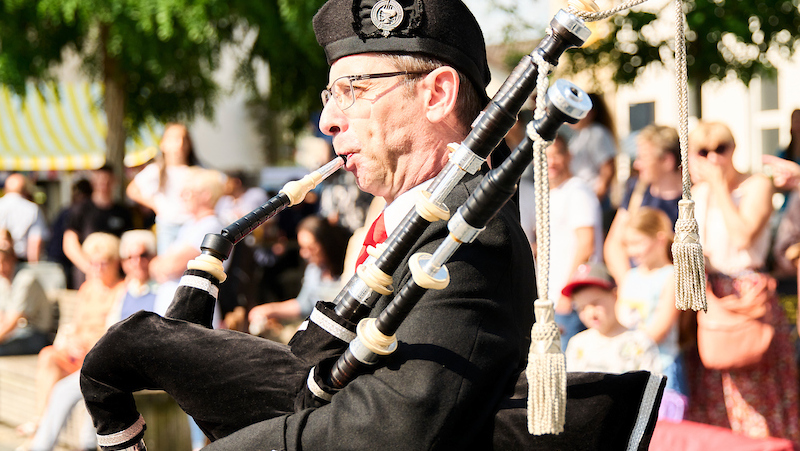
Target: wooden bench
(167, 424)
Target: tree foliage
(162, 54)
(743, 37)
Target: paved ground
(9, 440)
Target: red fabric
(691, 436)
(375, 235)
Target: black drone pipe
(220, 245)
(565, 103)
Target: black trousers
(225, 380)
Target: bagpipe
(346, 343)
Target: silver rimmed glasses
(342, 91)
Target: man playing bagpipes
(405, 81)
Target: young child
(606, 346)
(647, 293)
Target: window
(642, 115)
(769, 94)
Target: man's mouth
(347, 161)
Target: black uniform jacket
(460, 350)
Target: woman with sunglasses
(733, 210)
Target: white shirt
(23, 219)
(572, 205)
(631, 350)
(394, 213)
(168, 200)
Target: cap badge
(387, 15)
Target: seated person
(26, 316)
(201, 190)
(135, 250)
(322, 246)
(96, 296)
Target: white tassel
(546, 373)
(687, 253)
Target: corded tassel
(546, 373)
(687, 253)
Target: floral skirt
(758, 401)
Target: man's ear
(440, 91)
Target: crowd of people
(749, 248)
(124, 256)
(611, 272)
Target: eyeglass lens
(341, 91)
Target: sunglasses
(144, 256)
(720, 150)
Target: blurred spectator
(606, 346)
(792, 151)
(647, 297)
(202, 188)
(159, 185)
(732, 211)
(658, 185)
(136, 247)
(23, 219)
(81, 192)
(593, 148)
(96, 296)
(239, 197)
(786, 249)
(238, 292)
(323, 247)
(100, 214)
(576, 234)
(341, 202)
(26, 316)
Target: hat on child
(589, 274)
(443, 29)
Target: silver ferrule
(573, 23)
(360, 290)
(433, 265)
(466, 159)
(460, 229)
(329, 168)
(362, 353)
(444, 183)
(569, 99)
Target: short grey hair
(138, 236)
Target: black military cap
(443, 29)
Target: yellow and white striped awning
(61, 127)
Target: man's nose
(332, 120)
